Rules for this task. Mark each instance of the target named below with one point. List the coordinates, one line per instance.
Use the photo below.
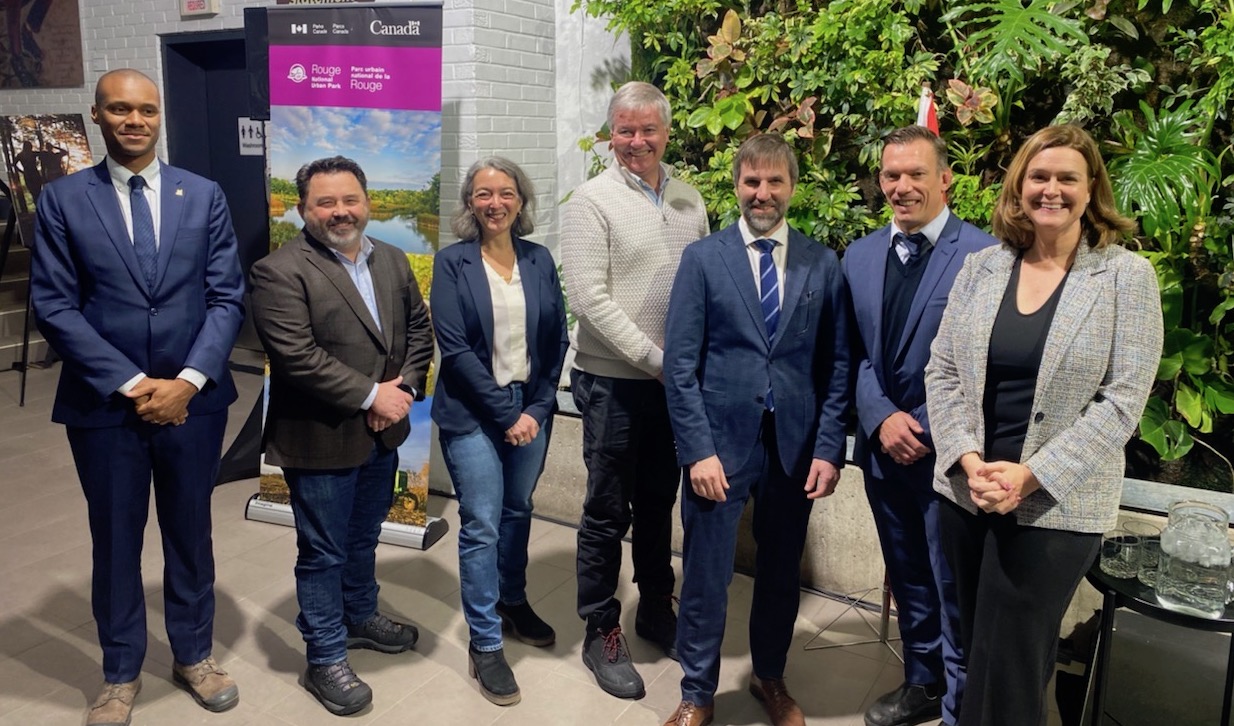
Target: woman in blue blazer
(501, 328)
(1037, 378)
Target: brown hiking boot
(208, 684)
(114, 706)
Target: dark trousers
(1014, 584)
(781, 514)
(338, 520)
(116, 465)
(632, 478)
(905, 509)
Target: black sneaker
(496, 680)
(526, 625)
(606, 655)
(656, 621)
(383, 634)
(338, 688)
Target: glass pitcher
(1194, 574)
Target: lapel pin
(179, 192)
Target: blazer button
(154, 311)
(1039, 417)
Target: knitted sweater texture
(619, 254)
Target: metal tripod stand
(881, 630)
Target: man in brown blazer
(349, 340)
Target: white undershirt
(510, 361)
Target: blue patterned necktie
(913, 243)
(769, 290)
(143, 229)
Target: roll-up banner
(363, 82)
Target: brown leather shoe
(780, 706)
(689, 714)
(208, 684)
(114, 706)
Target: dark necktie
(143, 229)
(769, 291)
(914, 243)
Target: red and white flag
(927, 112)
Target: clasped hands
(523, 431)
(391, 405)
(997, 487)
(708, 481)
(162, 401)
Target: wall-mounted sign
(198, 8)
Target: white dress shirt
(779, 253)
(510, 361)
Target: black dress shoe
(656, 621)
(905, 706)
(526, 625)
(606, 655)
(494, 676)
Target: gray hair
(463, 223)
(639, 95)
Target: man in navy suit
(899, 278)
(136, 283)
(756, 371)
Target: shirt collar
(120, 174)
(638, 180)
(748, 237)
(932, 230)
(366, 249)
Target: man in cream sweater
(622, 237)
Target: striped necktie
(769, 294)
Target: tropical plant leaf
(1163, 176)
(1168, 437)
(1006, 37)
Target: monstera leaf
(1162, 173)
(1005, 37)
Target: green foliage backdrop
(1150, 79)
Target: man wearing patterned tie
(756, 368)
(136, 283)
(899, 278)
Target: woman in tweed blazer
(1038, 377)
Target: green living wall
(1150, 79)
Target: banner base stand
(402, 535)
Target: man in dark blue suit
(756, 371)
(136, 283)
(899, 278)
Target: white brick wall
(499, 96)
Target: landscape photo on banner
(364, 83)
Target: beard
(762, 219)
(342, 241)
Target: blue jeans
(494, 482)
(338, 519)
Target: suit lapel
(102, 196)
(322, 258)
(990, 289)
(531, 289)
(477, 287)
(171, 211)
(385, 286)
(940, 259)
(1080, 289)
(737, 260)
(797, 263)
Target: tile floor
(49, 657)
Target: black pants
(632, 478)
(1014, 584)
